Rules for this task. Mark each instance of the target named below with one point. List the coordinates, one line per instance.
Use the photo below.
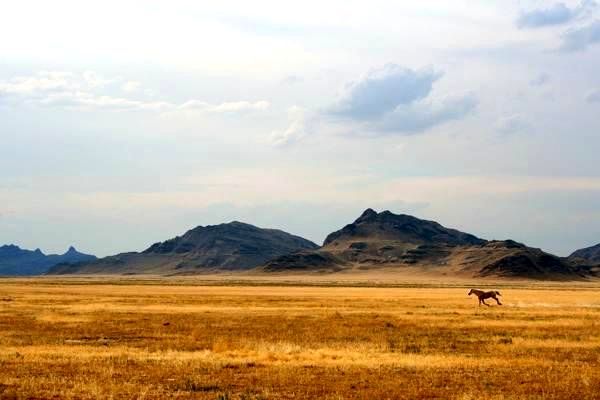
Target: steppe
(296, 337)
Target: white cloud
(557, 14)
(87, 101)
(420, 116)
(395, 99)
(39, 84)
(580, 38)
(131, 86)
(93, 80)
(387, 100)
(296, 130)
(79, 91)
(292, 80)
(382, 90)
(227, 107)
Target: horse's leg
(497, 301)
(483, 301)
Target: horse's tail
(498, 293)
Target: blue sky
(124, 123)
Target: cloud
(512, 124)
(420, 116)
(292, 80)
(557, 14)
(86, 101)
(79, 91)
(130, 86)
(395, 99)
(227, 107)
(388, 100)
(42, 82)
(540, 80)
(593, 96)
(94, 80)
(296, 130)
(581, 38)
(382, 90)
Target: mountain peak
(368, 214)
(400, 227)
(232, 245)
(71, 250)
(239, 224)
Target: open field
(128, 338)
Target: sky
(124, 123)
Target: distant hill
(17, 261)
(403, 241)
(588, 259)
(231, 246)
(588, 254)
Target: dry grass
(71, 339)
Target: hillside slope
(231, 246)
(588, 254)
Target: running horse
(481, 295)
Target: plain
(224, 339)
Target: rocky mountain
(399, 228)
(231, 246)
(403, 241)
(589, 255)
(17, 261)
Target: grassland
(124, 339)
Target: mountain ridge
(19, 262)
(228, 246)
(374, 241)
(388, 224)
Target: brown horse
(481, 295)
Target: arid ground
(152, 339)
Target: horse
(481, 295)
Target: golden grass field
(131, 339)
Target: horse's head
(498, 293)
(470, 292)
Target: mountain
(400, 228)
(17, 261)
(406, 242)
(589, 255)
(231, 246)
